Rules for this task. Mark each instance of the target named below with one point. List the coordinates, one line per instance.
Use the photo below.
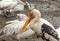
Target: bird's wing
(13, 28)
(46, 22)
(49, 30)
(8, 29)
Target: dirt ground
(50, 10)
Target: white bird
(40, 26)
(8, 7)
(13, 29)
(9, 4)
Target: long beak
(25, 24)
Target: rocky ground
(50, 10)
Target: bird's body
(9, 4)
(38, 25)
(13, 27)
(8, 7)
(4, 5)
(12, 30)
(38, 29)
(41, 26)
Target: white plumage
(33, 32)
(14, 27)
(10, 7)
(9, 4)
(15, 24)
(41, 26)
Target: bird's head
(33, 13)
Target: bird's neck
(35, 20)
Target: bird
(41, 26)
(8, 7)
(12, 30)
(9, 4)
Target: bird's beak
(25, 24)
